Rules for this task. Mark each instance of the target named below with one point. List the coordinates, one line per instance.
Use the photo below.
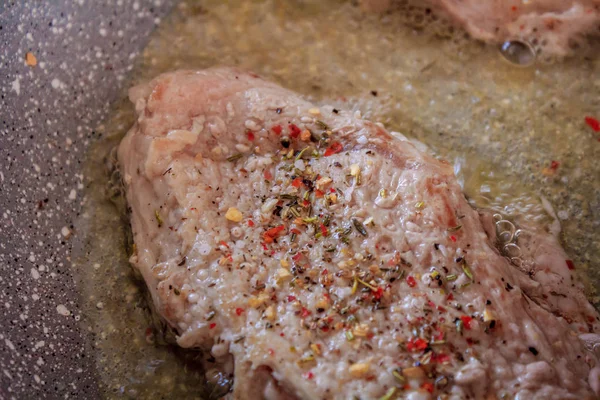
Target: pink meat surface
(334, 261)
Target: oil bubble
(518, 52)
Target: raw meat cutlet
(333, 261)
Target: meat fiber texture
(332, 260)
(555, 27)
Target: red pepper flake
(276, 129)
(271, 352)
(239, 311)
(441, 309)
(441, 358)
(222, 243)
(470, 341)
(570, 264)
(297, 256)
(272, 233)
(211, 326)
(324, 230)
(378, 293)
(593, 123)
(268, 175)
(282, 334)
(554, 165)
(264, 246)
(294, 131)
(333, 148)
(514, 8)
(309, 375)
(427, 386)
(412, 282)
(466, 321)
(250, 135)
(304, 312)
(291, 298)
(417, 344)
(250, 223)
(331, 190)
(439, 335)
(297, 182)
(325, 328)
(325, 271)
(319, 194)
(306, 203)
(453, 238)
(450, 297)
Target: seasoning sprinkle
(455, 228)
(158, 218)
(233, 214)
(398, 375)
(305, 360)
(467, 270)
(359, 370)
(366, 284)
(359, 227)
(355, 285)
(322, 125)
(389, 395)
(299, 156)
(459, 326)
(239, 339)
(235, 157)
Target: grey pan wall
(84, 50)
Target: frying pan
(83, 49)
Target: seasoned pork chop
(554, 25)
(333, 261)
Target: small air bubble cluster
(510, 241)
(420, 15)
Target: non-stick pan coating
(84, 49)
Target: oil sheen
(516, 137)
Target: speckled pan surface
(84, 50)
